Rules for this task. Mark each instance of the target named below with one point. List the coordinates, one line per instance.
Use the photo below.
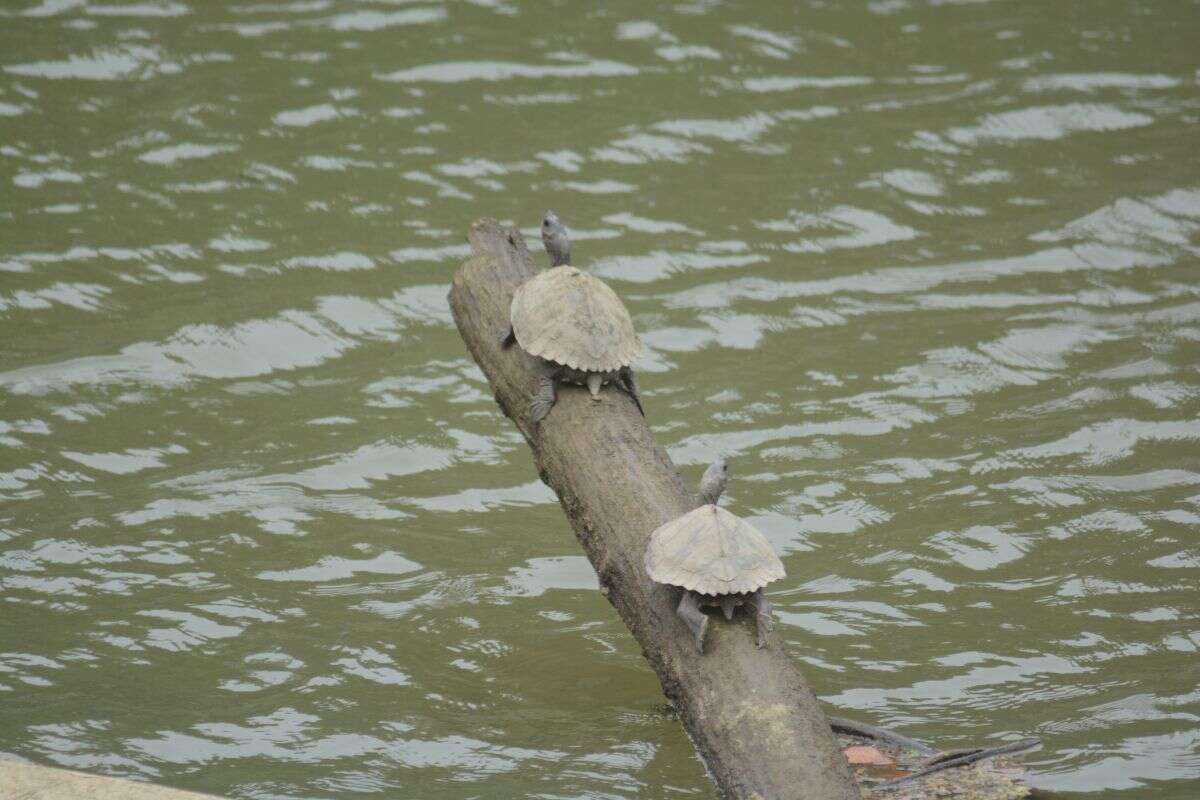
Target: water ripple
(937, 304)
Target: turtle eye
(546, 222)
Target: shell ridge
(588, 326)
(712, 551)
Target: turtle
(717, 558)
(574, 324)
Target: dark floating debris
(851, 727)
(890, 766)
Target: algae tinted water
(925, 271)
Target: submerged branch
(950, 760)
(854, 728)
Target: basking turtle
(716, 557)
(574, 323)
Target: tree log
(749, 712)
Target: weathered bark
(749, 711)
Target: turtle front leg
(696, 620)
(506, 337)
(630, 384)
(763, 617)
(544, 397)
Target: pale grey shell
(712, 551)
(567, 316)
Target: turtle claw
(543, 400)
(763, 618)
(630, 384)
(701, 634)
(696, 620)
(538, 409)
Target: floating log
(749, 712)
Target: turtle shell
(712, 551)
(567, 316)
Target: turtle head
(712, 485)
(554, 237)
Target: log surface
(749, 712)
(22, 781)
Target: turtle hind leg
(696, 620)
(762, 617)
(544, 397)
(506, 337)
(629, 384)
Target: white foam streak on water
(458, 71)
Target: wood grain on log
(748, 711)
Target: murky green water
(926, 272)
